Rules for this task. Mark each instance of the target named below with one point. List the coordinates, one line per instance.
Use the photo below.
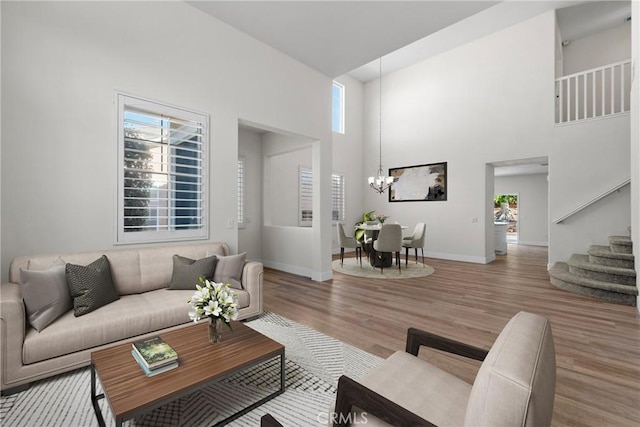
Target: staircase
(606, 273)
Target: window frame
(341, 114)
(128, 103)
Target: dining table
(376, 259)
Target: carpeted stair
(606, 273)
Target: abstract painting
(420, 183)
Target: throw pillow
(229, 270)
(45, 294)
(187, 272)
(91, 286)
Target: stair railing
(595, 93)
(592, 201)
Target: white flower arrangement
(214, 300)
(380, 217)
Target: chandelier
(380, 182)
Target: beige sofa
(146, 307)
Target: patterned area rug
(314, 362)
(352, 267)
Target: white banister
(592, 201)
(578, 100)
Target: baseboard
(300, 271)
(533, 243)
(462, 258)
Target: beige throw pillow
(45, 294)
(229, 270)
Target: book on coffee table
(154, 352)
(151, 372)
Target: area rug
(352, 267)
(313, 364)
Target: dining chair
(348, 242)
(415, 241)
(389, 240)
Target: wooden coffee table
(130, 392)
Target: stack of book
(154, 356)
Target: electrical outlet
(230, 223)
(474, 220)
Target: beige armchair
(415, 241)
(515, 384)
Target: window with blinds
(305, 197)
(241, 216)
(162, 172)
(337, 197)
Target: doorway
(505, 210)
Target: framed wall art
(420, 183)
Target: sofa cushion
(45, 293)
(128, 317)
(187, 272)
(91, 286)
(229, 270)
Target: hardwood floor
(597, 344)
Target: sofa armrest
(417, 338)
(252, 273)
(352, 394)
(12, 330)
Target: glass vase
(215, 330)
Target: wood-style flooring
(597, 343)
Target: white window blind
(162, 191)
(305, 197)
(337, 197)
(241, 216)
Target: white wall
(635, 137)
(602, 48)
(533, 206)
(347, 155)
(487, 101)
(586, 160)
(62, 62)
(250, 236)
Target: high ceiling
(338, 37)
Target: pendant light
(380, 182)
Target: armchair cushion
(422, 388)
(516, 383)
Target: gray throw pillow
(187, 272)
(229, 270)
(45, 294)
(91, 286)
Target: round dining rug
(352, 267)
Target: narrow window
(162, 172)
(305, 197)
(337, 198)
(338, 108)
(241, 216)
